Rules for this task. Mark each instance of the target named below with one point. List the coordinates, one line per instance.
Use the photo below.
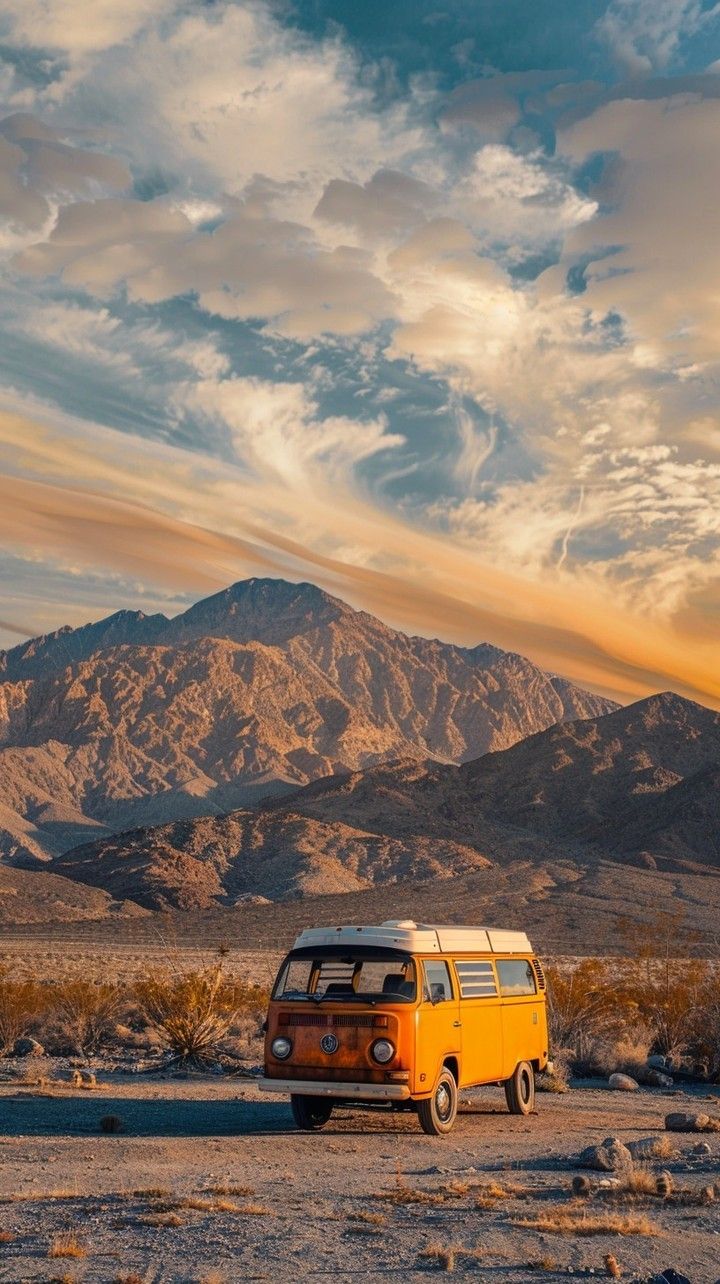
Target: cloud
(654, 247)
(389, 202)
(37, 171)
(507, 196)
(644, 35)
(192, 524)
(70, 26)
(246, 268)
(276, 430)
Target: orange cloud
(196, 526)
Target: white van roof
(420, 938)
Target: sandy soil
(299, 1219)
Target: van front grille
(329, 1019)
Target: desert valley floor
(211, 1183)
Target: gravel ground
(305, 1199)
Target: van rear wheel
(520, 1090)
(310, 1112)
(437, 1113)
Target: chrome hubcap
(443, 1101)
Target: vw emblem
(329, 1043)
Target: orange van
(405, 1014)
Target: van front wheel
(520, 1090)
(437, 1113)
(310, 1112)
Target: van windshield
(347, 979)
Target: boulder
(657, 1079)
(684, 1121)
(670, 1276)
(702, 1148)
(623, 1083)
(27, 1047)
(658, 1062)
(645, 1148)
(611, 1156)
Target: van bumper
(345, 1091)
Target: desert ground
(209, 1181)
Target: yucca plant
(192, 1012)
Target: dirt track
(187, 1135)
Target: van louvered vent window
(539, 974)
(477, 980)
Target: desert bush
(22, 1004)
(83, 1015)
(611, 1016)
(193, 1012)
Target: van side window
(436, 986)
(476, 977)
(516, 977)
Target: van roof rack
(420, 938)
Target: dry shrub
(132, 1278)
(22, 1004)
(151, 1192)
(111, 1124)
(609, 1016)
(612, 1266)
(572, 1221)
(83, 1015)
(67, 1244)
(192, 1012)
(7, 1237)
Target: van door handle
(457, 1022)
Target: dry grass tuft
(227, 1188)
(111, 1124)
(542, 1264)
(570, 1221)
(372, 1219)
(151, 1192)
(402, 1193)
(494, 1192)
(67, 1244)
(132, 1278)
(7, 1237)
(65, 1278)
(213, 1277)
(612, 1266)
(161, 1220)
(445, 1257)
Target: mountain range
(638, 785)
(271, 744)
(138, 719)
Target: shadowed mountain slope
(638, 784)
(139, 720)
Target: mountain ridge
(258, 689)
(638, 785)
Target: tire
(437, 1113)
(310, 1113)
(520, 1090)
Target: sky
(417, 301)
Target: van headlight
(281, 1048)
(383, 1051)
